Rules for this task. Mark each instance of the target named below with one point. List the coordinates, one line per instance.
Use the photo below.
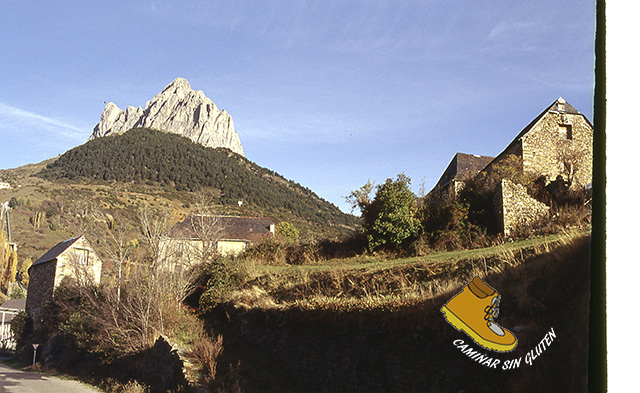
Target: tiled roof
(462, 167)
(15, 304)
(56, 250)
(224, 227)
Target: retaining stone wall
(516, 209)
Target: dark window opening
(565, 131)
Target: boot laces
(492, 311)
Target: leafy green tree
(287, 231)
(390, 218)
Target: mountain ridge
(176, 109)
(186, 166)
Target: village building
(558, 142)
(74, 258)
(556, 146)
(462, 167)
(200, 235)
(8, 310)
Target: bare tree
(81, 268)
(154, 225)
(206, 229)
(171, 271)
(570, 156)
(118, 248)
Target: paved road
(15, 381)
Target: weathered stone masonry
(558, 142)
(73, 258)
(516, 209)
(41, 284)
(558, 132)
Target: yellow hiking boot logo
(474, 311)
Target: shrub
(287, 231)
(302, 254)
(215, 281)
(268, 252)
(390, 218)
(448, 226)
(207, 352)
(21, 329)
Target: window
(179, 249)
(83, 256)
(565, 131)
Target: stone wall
(81, 262)
(41, 284)
(516, 209)
(558, 135)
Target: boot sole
(461, 326)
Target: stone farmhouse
(74, 258)
(556, 146)
(559, 142)
(224, 235)
(461, 168)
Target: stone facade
(73, 258)
(516, 209)
(559, 142)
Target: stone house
(556, 145)
(558, 142)
(74, 258)
(461, 168)
(224, 235)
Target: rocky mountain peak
(177, 109)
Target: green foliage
(390, 219)
(215, 281)
(361, 198)
(186, 166)
(268, 252)
(287, 231)
(21, 328)
(447, 226)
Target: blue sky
(328, 94)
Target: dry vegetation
(369, 282)
(373, 315)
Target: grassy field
(374, 324)
(375, 281)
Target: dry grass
(377, 283)
(207, 352)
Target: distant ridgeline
(152, 157)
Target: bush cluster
(395, 220)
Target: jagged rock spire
(177, 109)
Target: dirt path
(15, 381)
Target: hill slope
(145, 156)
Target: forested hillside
(156, 158)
